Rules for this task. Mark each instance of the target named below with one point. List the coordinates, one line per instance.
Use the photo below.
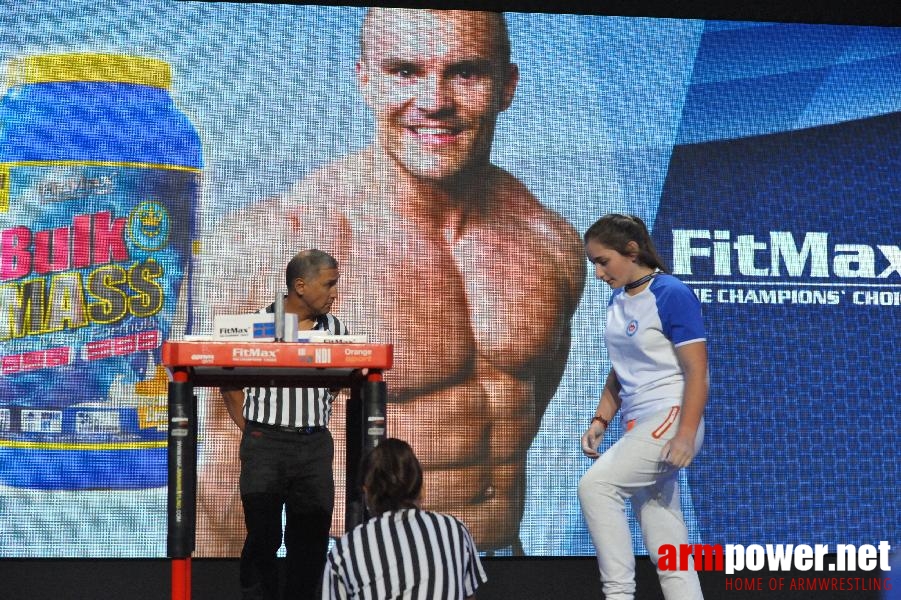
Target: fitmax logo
(238, 331)
(779, 255)
(252, 353)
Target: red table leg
(181, 578)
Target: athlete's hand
(680, 450)
(591, 439)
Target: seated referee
(403, 551)
(286, 453)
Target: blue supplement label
(95, 263)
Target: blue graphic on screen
(787, 227)
(745, 128)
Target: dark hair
(616, 231)
(392, 476)
(307, 264)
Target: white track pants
(632, 468)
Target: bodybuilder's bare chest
(483, 296)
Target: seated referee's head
(392, 477)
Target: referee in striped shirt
(286, 453)
(402, 552)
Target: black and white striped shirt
(408, 554)
(293, 407)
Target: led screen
(763, 156)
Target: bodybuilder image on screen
(443, 254)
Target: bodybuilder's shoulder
(333, 191)
(515, 200)
(546, 228)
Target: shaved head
(382, 22)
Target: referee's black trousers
(290, 471)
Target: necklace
(640, 282)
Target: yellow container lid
(111, 68)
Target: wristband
(603, 421)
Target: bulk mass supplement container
(99, 184)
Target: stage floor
(529, 578)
